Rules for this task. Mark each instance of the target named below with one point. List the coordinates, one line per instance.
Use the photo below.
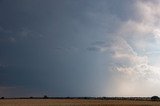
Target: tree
(2, 97)
(45, 97)
(31, 97)
(154, 98)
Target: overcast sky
(79, 48)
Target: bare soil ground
(75, 102)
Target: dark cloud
(1, 29)
(102, 46)
(12, 36)
(45, 44)
(97, 49)
(3, 66)
(99, 43)
(27, 33)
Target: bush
(45, 97)
(154, 98)
(31, 97)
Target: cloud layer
(80, 48)
(134, 46)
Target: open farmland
(75, 102)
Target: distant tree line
(153, 98)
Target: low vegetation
(155, 98)
(82, 101)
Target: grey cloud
(13, 36)
(99, 46)
(7, 40)
(1, 29)
(2, 66)
(66, 49)
(97, 49)
(7, 35)
(27, 33)
(11, 91)
(105, 28)
(4, 31)
(12, 39)
(99, 43)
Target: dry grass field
(74, 102)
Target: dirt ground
(75, 102)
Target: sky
(79, 48)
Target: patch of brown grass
(74, 102)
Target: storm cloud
(79, 48)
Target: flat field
(75, 102)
